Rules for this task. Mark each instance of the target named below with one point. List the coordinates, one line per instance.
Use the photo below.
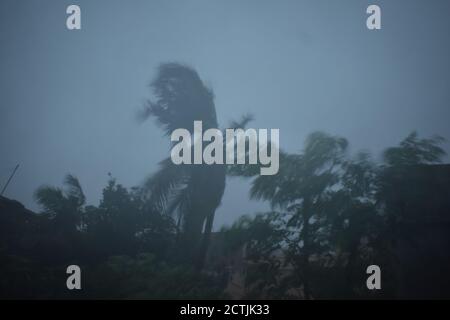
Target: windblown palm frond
(164, 182)
(241, 123)
(299, 174)
(413, 150)
(74, 192)
(50, 198)
(65, 206)
(181, 99)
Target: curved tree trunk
(203, 251)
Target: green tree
(124, 224)
(64, 206)
(354, 221)
(413, 150)
(301, 185)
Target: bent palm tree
(192, 191)
(65, 207)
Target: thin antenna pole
(10, 177)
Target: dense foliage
(330, 219)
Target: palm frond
(51, 199)
(74, 191)
(160, 185)
(181, 99)
(413, 150)
(241, 123)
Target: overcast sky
(69, 98)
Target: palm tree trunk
(205, 242)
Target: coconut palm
(64, 206)
(192, 192)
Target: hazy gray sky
(69, 98)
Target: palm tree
(194, 192)
(64, 206)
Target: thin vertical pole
(10, 177)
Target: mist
(69, 99)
